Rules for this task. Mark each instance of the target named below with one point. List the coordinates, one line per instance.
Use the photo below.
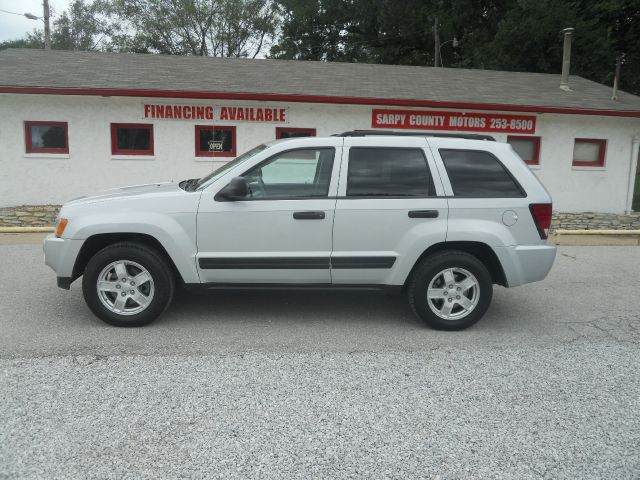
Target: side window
(293, 174)
(388, 172)
(478, 174)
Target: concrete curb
(25, 229)
(595, 237)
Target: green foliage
(31, 40)
(521, 35)
(83, 26)
(227, 28)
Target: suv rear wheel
(128, 284)
(450, 290)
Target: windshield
(237, 161)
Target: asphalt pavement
(324, 384)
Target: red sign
(460, 121)
(166, 111)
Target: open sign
(215, 145)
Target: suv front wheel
(450, 290)
(128, 284)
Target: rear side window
(478, 174)
(388, 172)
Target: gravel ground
(325, 385)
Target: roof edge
(278, 97)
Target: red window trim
(114, 139)
(281, 130)
(27, 136)
(601, 153)
(202, 153)
(536, 147)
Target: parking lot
(324, 384)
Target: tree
(83, 26)
(522, 35)
(227, 28)
(31, 40)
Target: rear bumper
(60, 254)
(527, 263)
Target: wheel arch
(481, 251)
(97, 242)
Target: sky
(14, 26)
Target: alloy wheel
(125, 287)
(453, 293)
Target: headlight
(61, 224)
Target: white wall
(90, 167)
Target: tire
(441, 309)
(142, 302)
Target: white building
(74, 123)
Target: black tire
(429, 268)
(152, 261)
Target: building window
(589, 152)
(131, 139)
(527, 147)
(215, 141)
(46, 137)
(286, 132)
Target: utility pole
(47, 29)
(436, 42)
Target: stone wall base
(44, 216)
(595, 221)
(29, 216)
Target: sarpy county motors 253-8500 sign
(460, 121)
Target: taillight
(541, 213)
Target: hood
(150, 189)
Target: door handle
(423, 213)
(308, 215)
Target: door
(388, 210)
(281, 231)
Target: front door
(279, 233)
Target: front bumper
(526, 263)
(60, 254)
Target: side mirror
(236, 190)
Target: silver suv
(440, 219)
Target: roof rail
(367, 133)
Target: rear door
(390, 208)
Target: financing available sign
(453, 121)
(170, 111)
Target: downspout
(633, 166)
